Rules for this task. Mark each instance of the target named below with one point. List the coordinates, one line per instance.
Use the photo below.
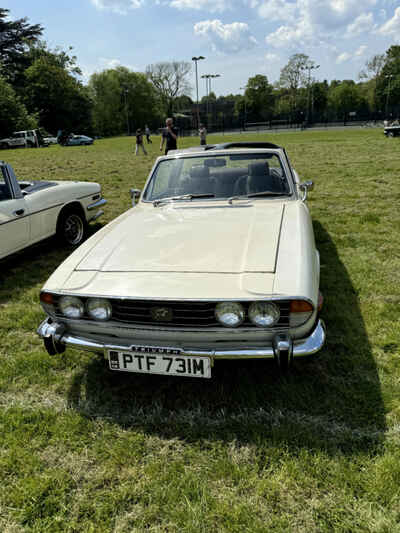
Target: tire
(71, 228)
(4, 146)
(390, 134)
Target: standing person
(147, 132)
(139, 141)
(203, 134)
(169, 136)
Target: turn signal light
(300, 306)
(46, 298)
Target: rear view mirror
(306, 186)
(135, 195)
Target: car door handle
(19, 212)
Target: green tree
(16, 36)
(59, 99)
(293, 76)
(13, 113)
(388, 83)
(259, 98)
(344, 98)
(371, 73)
(123, 101)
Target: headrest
(260, 168)
(199, 171)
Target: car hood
(198, 237)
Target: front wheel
(72, 228)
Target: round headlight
(264, 314)
(99, 308)
(229, 314)
(71, 306)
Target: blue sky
(239, 38)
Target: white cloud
(106, 63)
(342, 58)
(117, 6)
(363, 23)
(333, 14)
(271, 57)
(277, 10)
(226, 38)
(361, 50)
(212, 6)
(291, 36)
(315, 22)
(392, 26)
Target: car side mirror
(306, 186)
(135, 195)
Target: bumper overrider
(283, 348)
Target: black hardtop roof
(244, 144)
(226, 146)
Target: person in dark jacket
(169, 136)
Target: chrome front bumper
(96, 205)
(56, 338)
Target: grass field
(248, 451)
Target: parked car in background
(50, 140)
(24, 139)
(392, 130)
(216, 261)
(34, 210)
(77, 140)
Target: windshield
(218, 176)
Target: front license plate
(159, 363)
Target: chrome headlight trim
(99, 309)
(230, 314)
(264, 314)
(71, 306)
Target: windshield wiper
(233, 198)
(267, 193)
(156, 203)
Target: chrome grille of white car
(181, 314)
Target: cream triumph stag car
(217, 260)
(31, 210)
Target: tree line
(42, 87)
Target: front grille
(183, 314)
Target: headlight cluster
(261, 314)
(96, 308)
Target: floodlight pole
(208, 87)
(309, 66)
(126, 111)
(245, 107)
(196, 59)
(390, 76)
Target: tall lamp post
(309, 66)
(196, 59)
(126, 111)
(245, 107)
(208, 78)
(390, 76)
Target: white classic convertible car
(31, 211)
(217, 260)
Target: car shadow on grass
(329, 402)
